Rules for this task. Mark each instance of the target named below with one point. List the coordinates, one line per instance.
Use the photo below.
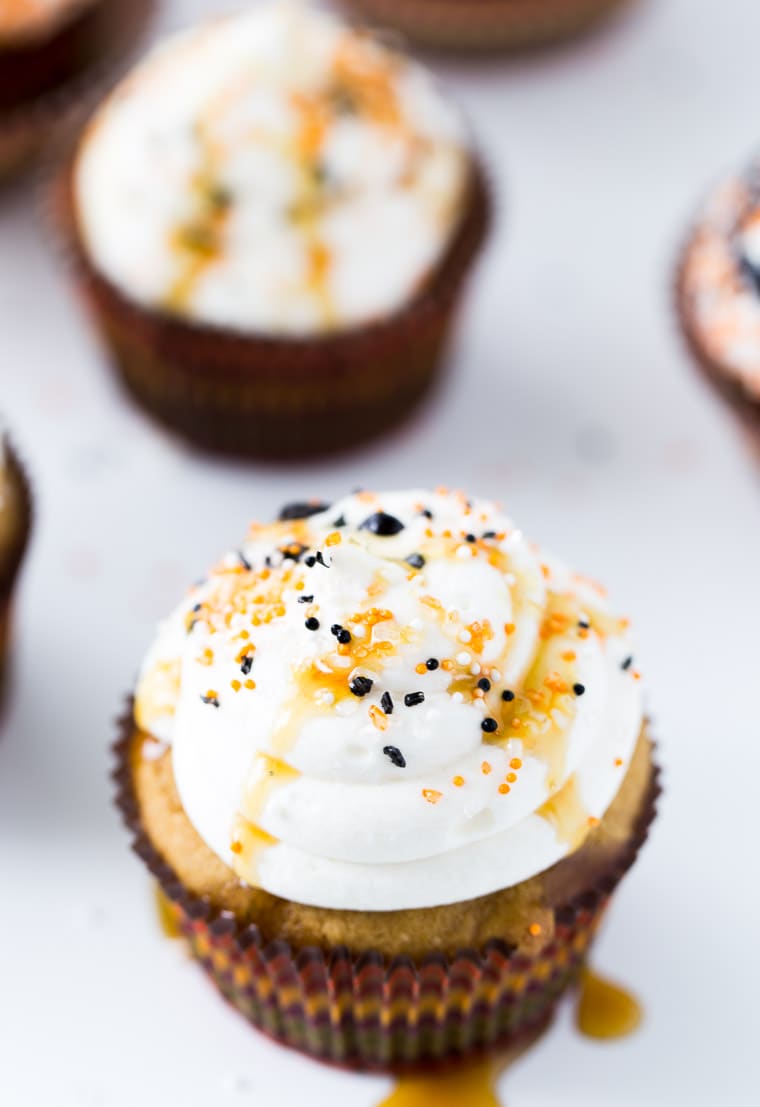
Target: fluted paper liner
(484, 26)
(10, 564)
(246, 394)
(365, 1011)
(36, 126)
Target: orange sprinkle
(511, 778)
(485, 768)
(618, 762)
(431, 795)
(421, 668)
(212, 694)
(458, 781)
(636, 675)
(236, 685)
(516, 724)
(569, 655)
(504, 789)
(535, 929)
(447, 664)
(509, 628)
(236, 847)
(378, 717)
(250, 684)
(555, 683)
(546, 571)
(515, 763)
(299, 586)
(333, 539)
(593, 821)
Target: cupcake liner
(730, 389)
(365, 1011)
(484, 25)
(45, 121)
(236, 393)
(11, 562)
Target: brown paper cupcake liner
(243, 394)
(365, 1011)
(484, 25)
(44, 123)
(744, 405)
(10, 562)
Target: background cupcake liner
(364, 1011)
(10, 564)
(484, 25)
(728, 387)
(244, 394)
(46, 122)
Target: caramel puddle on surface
(166, 915)
(605, 1010)
(469, 1085)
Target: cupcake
(388, 762)
(15, 523)
(51, 53)
(273, 219)
(718, 294)
(484, 25)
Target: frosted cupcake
(51, 52)
(273, 218)
(718, 291)
(485, 25)
(15, 523)
(388, 761)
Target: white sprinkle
(464, 552)
(464, 658)
(457, 697)
(495, 674)
(475, 669)
(464, 636)
(326, 696)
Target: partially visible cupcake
(273, 219)
(718, 292)
(388, 762)
(15, 524)
(485, 25)
(51, 52)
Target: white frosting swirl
(273, 172)
(378, 721)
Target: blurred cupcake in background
(484, 25)
(15, 525)
(388, 762)
(718, 294)
(52, 53)
(273, 219)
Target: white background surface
(569, 397)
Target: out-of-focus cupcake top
(273, 172)
(721, 279)
(392, 702)
(25, 19)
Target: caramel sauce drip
(566, 812)
(605, 1010)
(166, 914)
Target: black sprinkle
(416, 560)
(396, 756)
(305, 599)
(489, 534)
(312, 623)
(294, 552)
(485, 684)
(210, 699)
(386, 703)
(470, 538)
(427, 513)
(335, 629)
(432, 663)
(321, 559)
(361, 685)
(579, 689)
(244, 561)
(310, 561)
(627, 663)
(489, 725)
(507, 696)
(344, 637)
(382, 524)
(268, 562)
(411, 699)
(197, 607)
(584, 624)
(247, 665)
(301, 510)
(340, 521)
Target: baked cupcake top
(273, 172)
(720, 280)
(29, 19)
(392, 702)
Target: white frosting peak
(273, 172)
(392, 703)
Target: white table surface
(570, 398)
